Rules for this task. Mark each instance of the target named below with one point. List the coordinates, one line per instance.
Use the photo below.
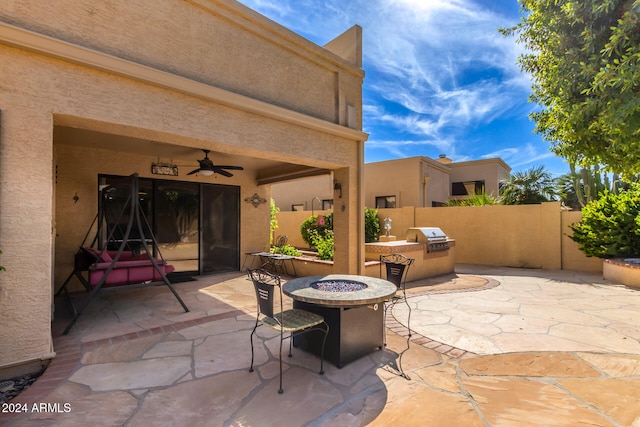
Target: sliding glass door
(220, 238)
(196, 226)
(176, 218)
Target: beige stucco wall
(26, 209)
(197, 74)
(400, 178)
(309, 192)
(511, 236)
(414, 181)
(492, 171)
(529, 236)
(289, 225)
(76, 176)
(619, 271)
(437, 178)
(401, 220)
(572, 257)
(201, 40)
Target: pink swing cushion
(130, 269)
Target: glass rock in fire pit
(338, 285)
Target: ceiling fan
(207, 168)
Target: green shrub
(285, 250)
(317, 232)
(371, 225)
(610, 225)
(322, 243)
(273, 224)
(320, 224)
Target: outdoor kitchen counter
(355, 317)
(427, 264)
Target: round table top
(377, 290)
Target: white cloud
(436, 69)
(410, 147)
(525, 155)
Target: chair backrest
(397, 265)
(265, 284)
(281, 241)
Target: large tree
(584, 59)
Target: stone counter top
(398, 246)
(376, 291)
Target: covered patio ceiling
(186, 158)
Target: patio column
(26, 225)
(348, 221)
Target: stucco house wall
(492, 171)
(156, 80)
(414, 181)
(399, 178)
(308, 192)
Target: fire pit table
(353, 308)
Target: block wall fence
(525, 236)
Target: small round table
(352, 307)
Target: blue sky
(440, 78)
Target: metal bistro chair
(397, 268)
(293, 321)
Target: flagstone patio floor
(490, 347)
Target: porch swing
(96, 266)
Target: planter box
(624, 271)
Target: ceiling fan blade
(205, 164)
(223, 172)
(235, 168)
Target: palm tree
(534, 185)
(478, 199)
(566, 191)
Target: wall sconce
(337, 187)
(255, 200)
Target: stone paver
(159, 367)
(569, 313)
(134, 374)
(513, 402)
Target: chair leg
(281, 390)
(290, 344)
(252, 352)
(324, 341)
(409, 315)
(389, 305)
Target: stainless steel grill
(434, 237)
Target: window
(467, 188)
(327, 204)
(385, 202)
(299, 207)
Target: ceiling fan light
(205, 172)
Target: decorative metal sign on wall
(255, 200)
(164, 169)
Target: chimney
(444, 159)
